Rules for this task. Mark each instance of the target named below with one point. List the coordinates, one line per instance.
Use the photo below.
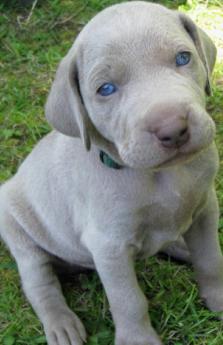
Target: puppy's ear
(204, 45)
(65, 108)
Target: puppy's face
(139, 73)
(143, 85)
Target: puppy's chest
(166, 214)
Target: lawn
(33, 40)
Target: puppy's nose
(173, 134)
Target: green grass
(31, 48)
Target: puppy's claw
(81, 329)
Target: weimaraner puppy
(129, 169)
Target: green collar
(107, 160)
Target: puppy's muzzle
(174, 134)
(170, 126)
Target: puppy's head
(134, 84)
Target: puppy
(128, 170)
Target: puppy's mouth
(143, 154)
(183, 156)
(179, 158)
(162, 158)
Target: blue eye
(107, 89)
(183, 58)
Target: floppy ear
(65, 109)
(204, 45)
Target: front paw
(213, 298)
(137, 338)
(64, 329)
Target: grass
(32, 44)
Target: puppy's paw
(213, 298)
(129, 338)
(139, 341)
(64, 329)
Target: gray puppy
(129, 169)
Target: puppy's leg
(42, 288)
(178, 251)
(128, 304)
(202, 241)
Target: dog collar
(107, 160)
